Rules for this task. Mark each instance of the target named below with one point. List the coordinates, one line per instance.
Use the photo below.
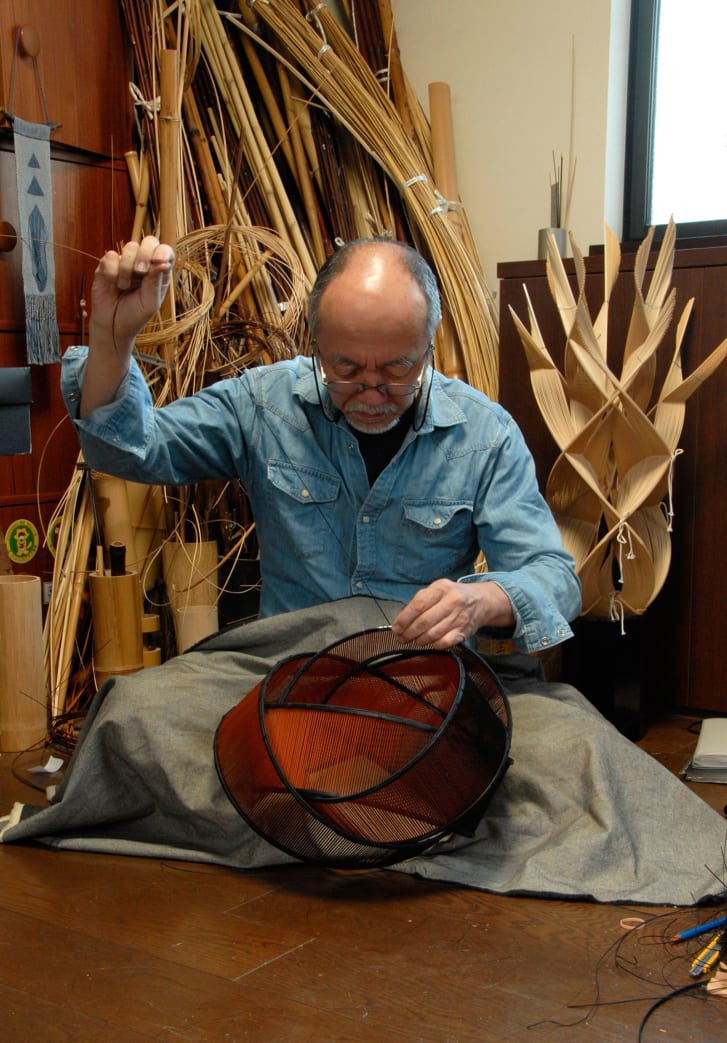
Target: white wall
(508, 64)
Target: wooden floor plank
(177, 911)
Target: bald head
(378, 287)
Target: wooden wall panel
(83, 64)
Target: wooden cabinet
(682, 637)
(83, 65)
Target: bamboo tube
(168, 145)
(117, 637)
(150, 629)
(148, 525)
(193, 623)
(23, 692)
(445, 167)
(139, 177)
(190, 573)
(112, 508)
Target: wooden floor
(105, 948)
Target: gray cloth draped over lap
(581, 812)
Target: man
(367, 471)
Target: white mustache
(382, 410)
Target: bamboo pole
(300, 166)
(70, 571)
(169, 145)
(138, 169)
(203, 155)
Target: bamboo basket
(190, 574)
(117, 628)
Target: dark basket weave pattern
(367, 752)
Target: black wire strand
(629, 964)
(665, 999)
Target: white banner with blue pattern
(35, 206)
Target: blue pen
(700, 929)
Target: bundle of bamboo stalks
(610, 488)
(331, 66)
(286, 125)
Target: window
(676, 146)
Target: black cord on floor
(664, 999)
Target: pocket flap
(435, 514)
(304, 484)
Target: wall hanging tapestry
(35, 207)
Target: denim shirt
(462, 481)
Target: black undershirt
(378, 449)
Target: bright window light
(689, 177)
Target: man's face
(372, 389)
(371, 340)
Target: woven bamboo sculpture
(610, 487)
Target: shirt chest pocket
(438, 540)
(301, 501)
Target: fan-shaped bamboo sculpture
(617, 441)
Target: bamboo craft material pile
(618, 439)
(267, 135)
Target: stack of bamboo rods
(327, 154)
(62, 641)
(330, 63)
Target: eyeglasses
(355, 387)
